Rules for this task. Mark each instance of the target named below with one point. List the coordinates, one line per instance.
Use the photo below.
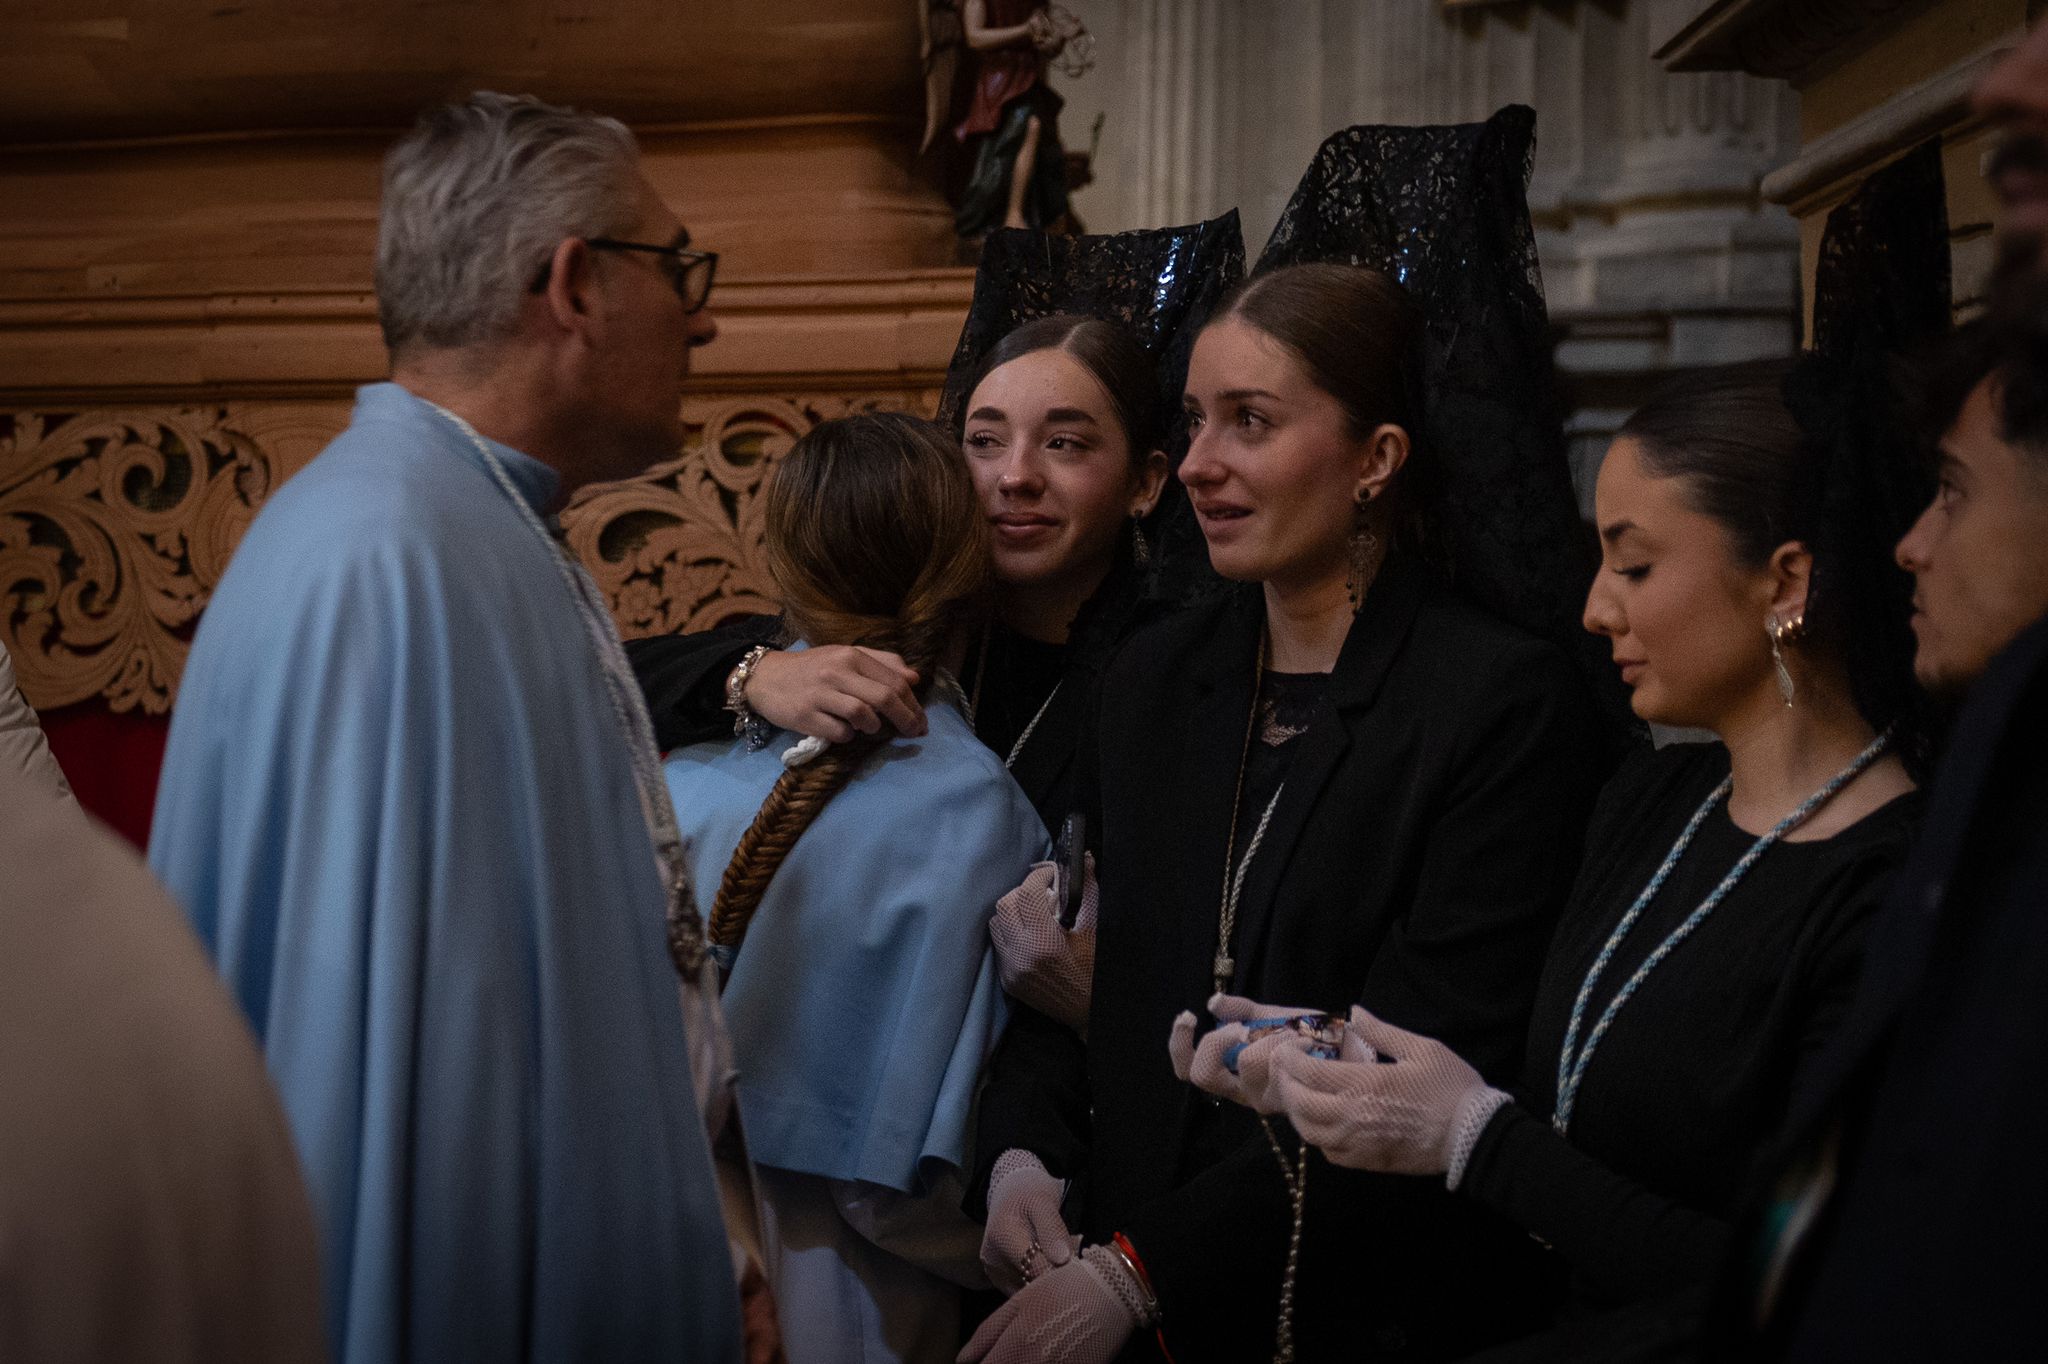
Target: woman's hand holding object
(1048, 967)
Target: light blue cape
(400, 812)
(865, 997)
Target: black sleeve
(1461, 965)
(683, 677)
(1624, 1240)
(1035, 1097)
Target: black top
(1698, 1069)
(1010, 678)
(1287, 710)
(1417, 859)
(1933, 1096)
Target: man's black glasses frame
(690, 272)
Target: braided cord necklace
(685, 931)
(972, 704)
(1294, 1175)
(1573, 1059)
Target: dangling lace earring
(1783, 632)
(1141, 553)
(1364, 545)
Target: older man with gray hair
(411, 800)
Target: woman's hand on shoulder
(834, 691)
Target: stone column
(1657, 251)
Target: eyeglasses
(689, 272)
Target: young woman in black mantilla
(1338, 780)
(1714, 937)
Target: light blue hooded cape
(865, 996)
(401, 814)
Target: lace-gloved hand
(1025, 1235)
(1048, 967)
(1391, 1101)
(1080, 1313)
(1208, 1064)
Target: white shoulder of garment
(23, 748)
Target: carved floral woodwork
(679, 548)
(116, 525)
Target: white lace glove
(1206, 1065)
(1080, 1313)
(1048, 967)
(1414, 1108)
(1025, 1235)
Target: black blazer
(1936, 1093)
(1424, 842)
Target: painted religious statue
(986, 63)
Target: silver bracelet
(1147, 1306)
(744, 721)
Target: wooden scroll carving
(115, 526)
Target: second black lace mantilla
(1444, 211)
(1881, 294)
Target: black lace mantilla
(1161, 283)
(1444, 211)
(1881, 292)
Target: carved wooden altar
(185, 281)
(188, 206)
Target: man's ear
(571, 288)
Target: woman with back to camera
(1064, 440)
(1338, 781)
(853, 885)
(1713, 936)
(1062, 435)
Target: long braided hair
(874, 537)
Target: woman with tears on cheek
(1340, 780)
(1713, 938)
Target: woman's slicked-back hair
(1743, 457)
(1727, 433)
(1109, 352)
(1358, 336)
(476, 197)
(1356, 332)
(875, 537)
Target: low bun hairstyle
(875, 537)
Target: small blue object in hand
(1325, 1033)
